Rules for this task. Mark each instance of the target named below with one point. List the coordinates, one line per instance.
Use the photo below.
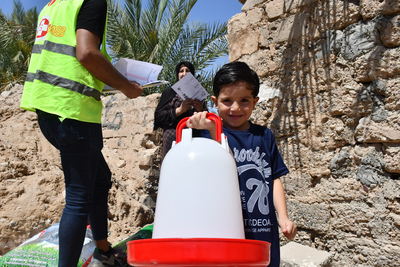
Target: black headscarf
(187, 64)
(169, 93)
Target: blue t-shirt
(258, 163)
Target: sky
(204, 11)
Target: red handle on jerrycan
(211, 116)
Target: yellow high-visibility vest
(56, 82)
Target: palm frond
(160, 33)
(17, 36)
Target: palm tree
(161, 34)
(17, 36)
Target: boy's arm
(288, 227)
(199, 121)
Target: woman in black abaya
(172, 108)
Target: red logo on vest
(43, 28)
(51, 2)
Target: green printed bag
(121, 247)
(42, 250)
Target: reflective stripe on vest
(54, 47)
(63, 83)
(57, 80)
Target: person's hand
(198, 106)
(185, 106)
(289, 228)
(199, 121)
(131, 89)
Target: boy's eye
(245, 100)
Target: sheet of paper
(155, 83)
(144, 73)
(190, 87)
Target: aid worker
(67, 72)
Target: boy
(258, 160)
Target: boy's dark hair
(235, 72)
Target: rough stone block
(267, 92)
(274, 9)
(255, 16)
(359, 39)
(368, 131)
(244, 33)
(295, 255)
(250, 4)
(263, 62)
(391, 190)
(335, 16)
(391, 32)
(293, 4)
(287, 29)
(392, 160)
(246, 43)
(315, 216)
(372, 8)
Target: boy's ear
(255, 101)
(215, 100)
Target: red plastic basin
(198, 252)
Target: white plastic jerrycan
(198, 194)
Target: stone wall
(330, 92)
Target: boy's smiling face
(235, 104)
